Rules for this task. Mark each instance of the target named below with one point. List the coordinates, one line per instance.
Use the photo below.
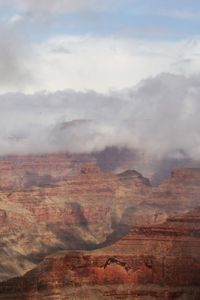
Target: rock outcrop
(150, 262)
(86, 210)
(65, 215)
(28, 171)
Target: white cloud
(159, 117)
(15, 55)
(15, 19)
(100, 64)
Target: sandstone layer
(27, 171)
(150, 262)
(66, 215)
(87, 209)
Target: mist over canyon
(99, 150)
(158, 119)
(108, 186)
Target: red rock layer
(65, 215)
(25, 172)
(90, 209)
(151, 262)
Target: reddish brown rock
(67, 214)
(151, 262)
(25, 172)
(88, 210)
(3, 217)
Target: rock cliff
(150, 262)
(88, 209)
(28, 171)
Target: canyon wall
(150, 262)
(82, 208)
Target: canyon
(124, 234)
(150, 262)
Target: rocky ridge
(150, 262)
(68, 213)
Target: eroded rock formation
(86, 210)
(28, 171)
(150, 262)
(67, 214)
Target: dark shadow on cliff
(120, 229)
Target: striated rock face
(150, 262)
(87, 209)
(65, 215)
(28, 171)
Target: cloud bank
(15, 70)
(90, 63)
(160, 117)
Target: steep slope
(89, 210)
(66, 215)
(151, 262)
(28, 171)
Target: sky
(95, 45)
(84, 75)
